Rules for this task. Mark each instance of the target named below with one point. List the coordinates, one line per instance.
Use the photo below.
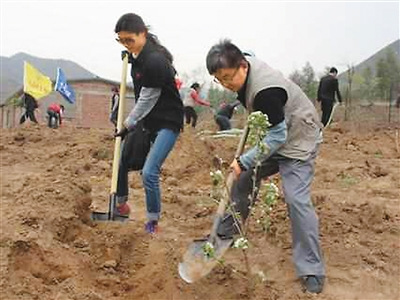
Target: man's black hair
(333, 70)
(223, 55)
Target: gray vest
(301, 117)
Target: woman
(157, 103)
(191, 100)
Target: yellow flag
(35, 83)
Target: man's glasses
(226, 79)
(125, 41)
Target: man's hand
(122, 133)
(236, 168)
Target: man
(224, 115)
(30, 104)
(55, 111)
(114, 106)
(292, 143)
(327, 88)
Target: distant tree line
(306, 79)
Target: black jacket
(30, 103)
(327, 88)
(152, 69)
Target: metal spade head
(105, 216)
(111, 215)
(197, 264)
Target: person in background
(328, 87)
(55, 111)
(291, 147)
(178, 83)
(30, 104)
(224, 115)
(158, 104)
(191, 100)
(114, 106)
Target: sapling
(269, 193)
(258, 128)
(209, 250)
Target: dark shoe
(313, 284)
(151, 227)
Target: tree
(306, 80)
(350, 75)
(297, 78)
(388, 74)
(382, 75)
(368, 85)
(216, 95)
(310, 84)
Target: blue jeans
(162, 145)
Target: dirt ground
(50, 249)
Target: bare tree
(348, 100)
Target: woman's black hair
(195, 85)
(223, 55)
(134, 23)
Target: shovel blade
(106, 217)
(111, 215)
(196, 264)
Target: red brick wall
(93, 104)
(92, 107)
(95, 111)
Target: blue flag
(63, 88)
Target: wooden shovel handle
(229, 183)
(121, 110)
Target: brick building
(91, 110)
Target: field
(50, 249)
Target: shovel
(112, 215)
(197, 263)
(331, 115)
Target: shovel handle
(121, 110)
(229, 182)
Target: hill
(12, 70)
(372, 61)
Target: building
(91, 110)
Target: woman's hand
(122, 133)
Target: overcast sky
(284, 34)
